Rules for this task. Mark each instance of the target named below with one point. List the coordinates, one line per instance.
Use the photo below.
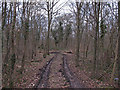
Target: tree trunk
(96, 37)
(87, 49)
(119, 44)
(7, 42)
(78, 33)
(114, 66)
(13, 56)
(4, 8)
(48, 28)
(66, 42)
(26, 29)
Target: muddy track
(56, 77)
(43, 81)
(74, 82)
(54, 68)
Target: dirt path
(74, 82)
(44, 75)
(56, 74)
(56, 78)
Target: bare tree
(79, 5)
(13, 56)
(50, 6)
(51, 12)
(96, 34)
(26, 29)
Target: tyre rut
(56, 74)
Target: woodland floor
(50, 72)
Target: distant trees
(57, 34)
(60, 32)
(68, 31)
(50, 14)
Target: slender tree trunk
(119, 44)
(78, 34)
(23, 28)
(102, 39)
(95, 45)
(87, 49)
(96, 37)
(40, 35)
(8, 37)
(86, 39)
(5, 61)
(23, 58)
(26, 29)
(13, 57)
(48, 28)
(4, 8)
(66, 42)
(115, 63)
